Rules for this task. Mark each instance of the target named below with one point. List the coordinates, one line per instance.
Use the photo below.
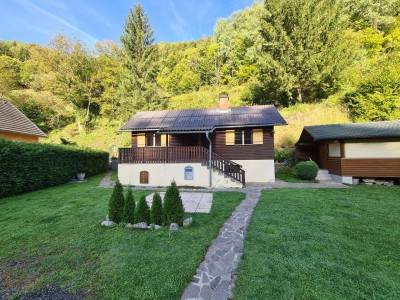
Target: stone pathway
(106, 182)
(216, 275)
(279, 184)
(192, 202)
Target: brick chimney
(223, 102)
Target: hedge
(26, 167)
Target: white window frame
(187, 172)
(242, 131)
(154, 140)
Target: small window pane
(189, 173)
(238, 137)
(247, 137)
(149, 140)
(158, 140)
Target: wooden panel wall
(371, 167)
(334, 165)
(244, 152)
(18, 136)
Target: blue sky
(36, 21)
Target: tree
(138, 86)
(129, 207)
(173, 207)
(156, 213)
(142, 211)
(116, 203)
(303, 50)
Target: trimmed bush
(26, 167)
(307, 170)
(156, 212)
(142, 211)
(173, 207)
(129, 208)
(116, 203)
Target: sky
(37, 21)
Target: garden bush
(129, 208)
(173, 207)
(284, 155)
(307, 170)
(26, 167)
(156, 213)
(116, 203)
(142, 211)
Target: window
(334, 150)
(243, 137)
(189, 173)
(153, 140)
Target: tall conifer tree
(140, 56)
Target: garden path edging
(215, 277)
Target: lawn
(53, 236)
(323, 244)
(288, 174)
(114, 175)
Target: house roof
(12, 120)
(385, 129)
(201, 120)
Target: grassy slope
(54, 236)
(323, 244)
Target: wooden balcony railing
(182, 155)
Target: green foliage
(156, 213)
(138, 85)
(117, 203)
(173, 207)
(28, 167)
(284, 155)
(304, 50)
(307, 170)
(142, 211)
(129, 207)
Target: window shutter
(141, 140)
(230, 137)
(163, 140)
(257, 136)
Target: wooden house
(181, 145)
(359, 150)
(14, 125)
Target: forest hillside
(318, 61)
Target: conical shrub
(156, 213)
(116, 203)
(173, 207)
(142, 211)
(129, 207)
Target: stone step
(323, 175)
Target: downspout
(210, 156)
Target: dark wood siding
(323, 156)
(244, 152)
(334, 165)
(371, 167)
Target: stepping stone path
(216, 275)
(192, 202)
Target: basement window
(189, 174)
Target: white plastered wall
(161, 174)
(258, 170)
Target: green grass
(289, 175)
(114, 175)
(54, 236)
(323, 244)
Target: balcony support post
(210, 156)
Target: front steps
(323, 175)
